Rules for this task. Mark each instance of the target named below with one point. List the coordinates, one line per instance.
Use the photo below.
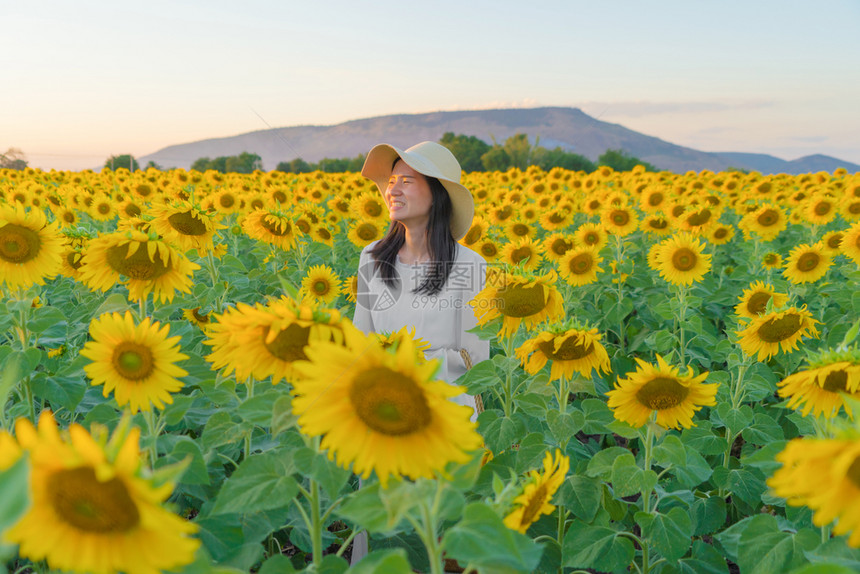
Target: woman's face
(408, 195)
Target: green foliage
(467, 149)
(619, 160)
(245, 162)
(125, 160)
(327, 165)
(13, 158)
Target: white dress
(441, 320)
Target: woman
(418, 276)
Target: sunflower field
(674, 368)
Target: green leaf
(582, 495)
(480, 378)
(596, 547)
(835, 551)
(277, 564)
(703, 439)
(696, 471)
(708, 515)
(704, 559)
(670, 451)
(283, 418)
(258, 409)
(533, 404)
(483, 540)
(391, 561)
(563, 426)
(600, 465)
(623, 429)
(66, 392)
(628, 479)
(14, 493)
(365, 508)
(184, 447)
(501, 433)
(763, 431)
(531, 453)
(764, 458)
(735, 419)
(221, 429)
(824, 569)
(597, 416)
(746, 484)
(669, 533)
(661, 341)
(261, 482)
(765, 549)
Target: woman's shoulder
(469, 255)
(368, 248)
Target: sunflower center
(658, 223)
(581, 264)
(822, 208)
(489, 250)
(620, 217)
(700, 218)
(808, 261)
(323, 233)
(684, 259)
(373, 208)
(836, 381)
(853, 473)
(854, 208)
(18, 244)
(138, 265)
(556, 217)
(771, 259)
(187, 224)
(74, 259)
(662, 393)
(591, 239)
(321, 287)
(720, 233)
(69, 216)
(521, 254)
(132, 360)
(570, 350)
(535, 503)
(473, 235)
(561, 246)
(521, 300)
(777, 330)
(389, 402)
(655, 199)
(758, 303)
(768, 218)
(834, 241)
(275, 226)
(289, 344)
(367, 232)
(199, 317)
(227, 200)
(520, 229)
(84, 502)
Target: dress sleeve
(478, 349)
(362, 318)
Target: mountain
(568, 128)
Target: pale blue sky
(82, 80)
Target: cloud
(492, 105)
(638, 109)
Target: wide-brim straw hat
(432, 160)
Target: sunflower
(653, 199)
(720, 234)
(136, 362)
(195, 317)
(824, 475)
(522, 252)
(571, 350)
(806, 264)
(321, 284)
(31, 249)
(92, 508)
(270, 226)
(850, 246)
(820, 388)
(369, 206)
(476, 231)
(819, 210)
(393, 340)
(767, 221)
(580, 266)
(655, 224)
(149, 265)
(519, 229)
(831, 241)
(185, 225)
(619, 220)
(380, 410)
(534, 501)
(591, 234)
(364, 232)
(555, 245)
(66, 217)
(489, 249)
(350, 288)
(324, 233)
(519, 297)
(555, 219)
(266, 340)
(502, 213)
(681, 260)
(662, 389)
(849, 207)
(102, 208)
(766, 334)
(771, 260)
(753, 301)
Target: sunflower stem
(619, 256)
(316, 524)
(682, 317)
(562, 394)
(562, 520)
(142, 307)
(152, 446)
(646, 493)
(508, 346)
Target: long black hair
(440, 243)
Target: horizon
(99, 79)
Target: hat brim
(380, 161)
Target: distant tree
(201, 164)
(125, 160)
(619, 160)
(297, 165)
(547, 159)
(152, 164)
(519, 150)
(243, 163)
(356, 163)
(13, 158)
(467, 149)
(496, 159)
